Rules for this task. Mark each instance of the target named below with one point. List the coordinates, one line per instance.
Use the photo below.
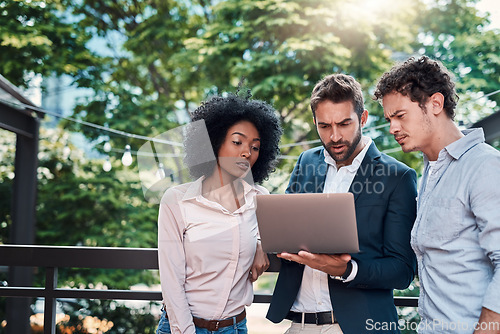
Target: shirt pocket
(444, 219)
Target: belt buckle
(217, 323)
(316, 318)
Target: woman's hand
(260, 263)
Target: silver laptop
(317, 223)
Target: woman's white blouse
(205, 253)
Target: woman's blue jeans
(238, 328)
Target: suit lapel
(320, 173)
(365, 171)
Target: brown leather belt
(213, 325)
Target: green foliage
(79, 204)
(93, 208)
(152, 73)
(454, 33)
(108, 203)
(175, 54)
(36, 38)
(283, 48)
(159, 58)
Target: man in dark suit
(343, 293)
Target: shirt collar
(195, 189)
(456, 149)
(367, 141)
(471, 138)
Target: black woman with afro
(208, 241)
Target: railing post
(18, 315)
(23, 222)
(49, 314)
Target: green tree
(160, 58)
(152, 79)
(176, 53)
(80, 204)
(35, 38)
(454, 33)
(93, 208)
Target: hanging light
(127, 156)
(160, 173)
(66, 152)
(106, 166)
(107, 147)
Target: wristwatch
(345, 274)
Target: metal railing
(53, 257)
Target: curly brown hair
(419, 79)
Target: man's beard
(351, 147)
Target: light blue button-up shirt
(456, 236)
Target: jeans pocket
(163, 325)
(242, 327)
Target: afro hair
(220, 113)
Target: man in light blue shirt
(456, 235)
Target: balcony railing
(53, 257)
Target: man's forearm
(489, 322)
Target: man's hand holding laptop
(332, 264)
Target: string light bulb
(107, 147)
(127, 156)
(66, 152)
(160, 173)
(106, 166)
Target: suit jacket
(385, 193)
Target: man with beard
(349, 293)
